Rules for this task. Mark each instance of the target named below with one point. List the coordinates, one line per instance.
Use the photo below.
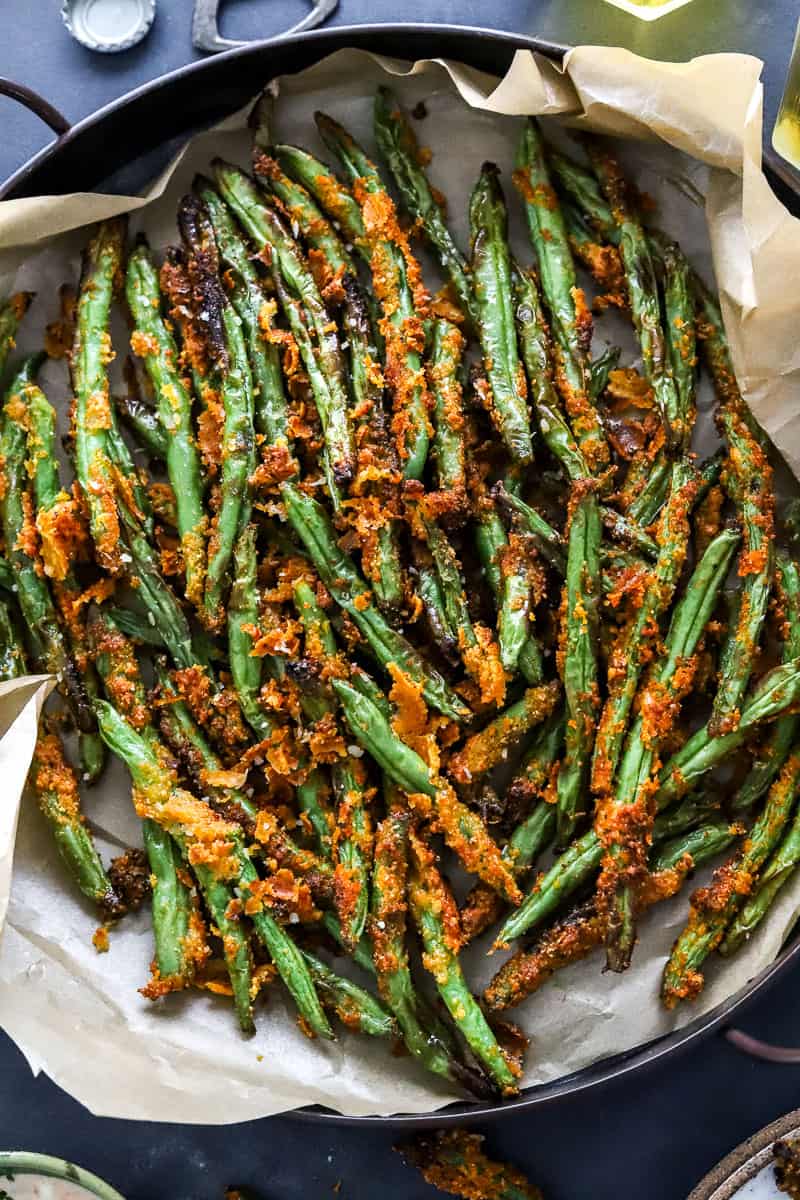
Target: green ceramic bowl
(19, 1162)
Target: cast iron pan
(120, 147)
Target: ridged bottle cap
(108, 25)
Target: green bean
(154, 342)
(56, 789)
(436, 917)
(713, 908)
(397, 284)
(13, 661)
(333, 197)
(769, 882)
(642, 290)
(776, 692)
(117, 665)
(102, 265)
(491, 272)
(173, 909)
(354, 1006)
(51, 500)
(569, 319)
(349, 590)
(631, 653)
(600, 371)
(267, 229)
(515, 616)
(580, 649)
(483, 907)
(680, 326)
(12, 311)
(452, 1161)
(448, 569)
(362, 955)
(463, 830)
(397, 143)
(548, 541)
(688, 623)
(486, 749)
(534, 773)
(235, 384)
(447, 348)
(581, 930)
(143, 422)
(352, 849)
(335, 272)
(429, 590)
(249, 300)
(312, 799)
(536, 350)
(774, 751)
(32, 591)
(390, 952)
(748, 481)
(156, 794)
(491, 541)
(163, 610)
(243, 615)
(659, 708)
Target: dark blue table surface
(651, 1136)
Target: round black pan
(120, 146)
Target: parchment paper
(77, 1014)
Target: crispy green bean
(349, 590)
(333, 197)
(53, 504)
(243, 617)
(397, 143)
(579, 636)
(777, 872)
(484, 750)
(463, 830)
(157, 797)
(642, 290)
(436, 917)
(747, 478)
(688, 623)
(354, 1006)
(397, 283)
(268, 231)
(387, 930)
(569, 318)
(491, 272)
(56, 789)
(16, 511)
(536, 350)
(452, 1161)
(713, 908)
(776, 692)
(12, 311)
(102, 266)
(634, 648)
(153, 341)
(447, 348)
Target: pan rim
(334, 34)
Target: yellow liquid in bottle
(786, 134)
(648, 10)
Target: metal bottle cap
(108, 25)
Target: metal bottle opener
(205, 27)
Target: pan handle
(35, 104)
(764, 1050)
